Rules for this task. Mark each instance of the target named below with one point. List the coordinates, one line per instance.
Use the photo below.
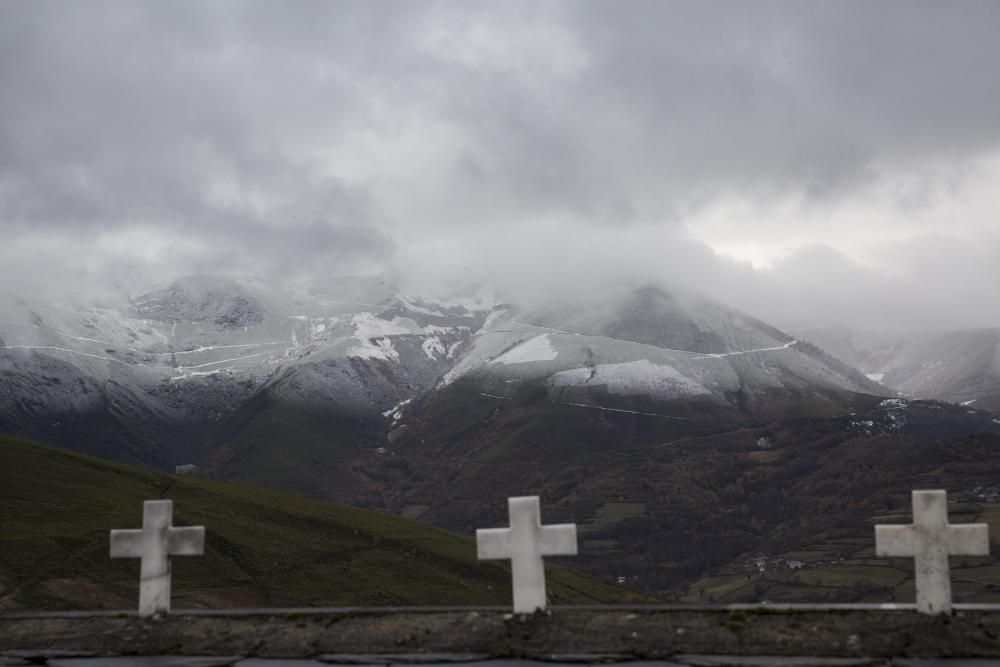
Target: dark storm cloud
(314, 137)
(811, 95)
(122, 114)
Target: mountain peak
(219, 300)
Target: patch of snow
(968, 402)
(893, 403)
(374, 348)
(373, 333)
(452, 375)
(367, 325)
(491, 319)
(396, 412)
(538, 348)
(432, 347)
(482, 299)
(633, 377)
(421, 309)
(875, 377)
(484, 349)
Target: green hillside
(263, 547)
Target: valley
(685, 438)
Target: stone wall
(616, 632)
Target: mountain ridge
(177, 365)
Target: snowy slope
(212, 368)
(956, 366)
(652, 344)
(960, 367)
(169, 363)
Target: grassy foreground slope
(263, 547)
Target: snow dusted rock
(651, 344)
(204, 299)
(632, 377)
(534, 349)
(152, 374)
(239, 377)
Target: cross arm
(895, 541)
(126, 543)
(969, 539)
(493, 543)
(557, 540)
(186, 541)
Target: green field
(263, 547)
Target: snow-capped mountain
(957, 366)
(142, 379)
(651, 344)
(240, 377)
(681, 359)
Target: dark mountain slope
(44, 397)
(664, 500)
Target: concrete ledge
(619, 633)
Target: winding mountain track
(695, 355)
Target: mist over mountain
(739, 152)
(961, 366)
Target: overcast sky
(810, 162)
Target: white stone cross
(154, 544)
(525, 543)
(930, 539)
